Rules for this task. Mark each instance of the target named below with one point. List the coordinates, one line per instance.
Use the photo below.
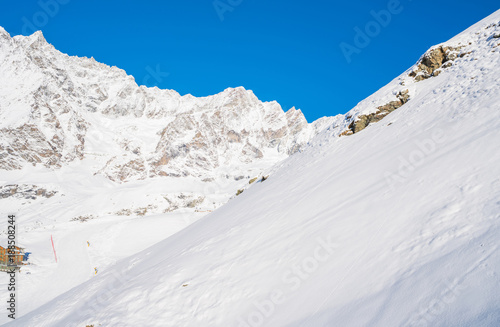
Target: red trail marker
(51, 240)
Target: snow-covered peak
(32, 42)
(4, 33)
(237, 91)
(37, 36)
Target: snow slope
(396, 225)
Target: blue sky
(289, 51)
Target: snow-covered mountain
(81, 142)
(389, 216)
(56, 109)
(74, 119)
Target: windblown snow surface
(397, 225)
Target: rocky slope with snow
(56, 109)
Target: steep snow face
(56, 109)
(396, 225)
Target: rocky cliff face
(57, 109)
(442, 58)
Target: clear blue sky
(287, 51)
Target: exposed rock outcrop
(25, 191)
(432, 60)
(364, 120)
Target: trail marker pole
(53, 248)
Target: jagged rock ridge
(57, 109)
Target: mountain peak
(37, 36)
(34, 40)
(4, 33)
(239, 90)
(293, 109)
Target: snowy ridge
(470, 45)
(69, 108)
(397, 225)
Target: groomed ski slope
(397, 225)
